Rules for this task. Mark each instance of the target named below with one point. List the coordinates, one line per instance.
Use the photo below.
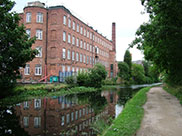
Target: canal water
(72, 115)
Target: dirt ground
(163, 115)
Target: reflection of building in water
(55, 116)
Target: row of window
(38, 69)
(39, 34)
(37, 104)
(79, 57)
(39, 17)
(75, 115)
(37, 122)
(85, 32)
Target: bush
(83, 79)
(70, 80)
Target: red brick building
(65, 43)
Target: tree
(15, 49)
(160, 39)
(96, 75)
(123, 71)
(128, 59)
(138, 74)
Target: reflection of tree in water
(94, 99)
(9, 123)
(124, 94)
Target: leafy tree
(138, 74)
(97, 75)
(83, 79)
(160, 39)
(15, 49)
(123, 71)
(146, 66)
(128, 59)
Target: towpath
(162, 116)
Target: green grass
(174, 90)
(128, 122)
(31, 94)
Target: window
(68, 68)
(93, 60)
(39, 49)
(62, 120)
(38, 69)
(90, 60)
(64, 36)
(39, 17)
(64, 53)
(73, 55)
(77, 27)
(80, 57)
(69, 38)
(87, 34)
(87, 59)
(76, 117)
(69, 55)
(69, 23)
(81, 44)
(37, 103)
(39, 34)
(73, 25)
(73, 69)
(90, 48)
(90, 35)
(72, 116)
(63, 70)
(26, 105)
(84, 58)
(80, 113)
(68, 118)
(77, 56)
(93, 49)
(84, 45)
(84, 32)
(83, 111)
(64, 20)
(26, 121)
(28, 17)
(37, 122)
(73, 40)
(77, 42)
(87, 46)
(28, 32)
(81, 30)
(27, 69)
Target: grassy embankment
(174, 90)
(27, 92)
(128, 122)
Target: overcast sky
(100, 14)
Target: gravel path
(163, 115)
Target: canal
(64, 115)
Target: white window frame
(68, 55)
(73, 25)
(84, 56)
(64, 19)
(37, 103)
(85, 32)
(28, 32)
(77, 28)
(39, 17)
(81, 44)
(84, 45)
(73, 55)
(26, 121)
(67, 118)
(28, 17)
(64, 36)
(27, 69)
(69, 23)
(69, 38)
(62, 120)
(77, 42)
(81, 30)
(80, 57)
(39, 49)
(38, 70)
(77, 56)
(37, 122)
(39, 34)
(73, 40)
(64, 53)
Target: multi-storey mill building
(65, 43)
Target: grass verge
(30, 94)
(174, 90)
(128, 122)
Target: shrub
(83, 79)
(70, 80)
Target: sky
(100, 14)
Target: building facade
(64, 43)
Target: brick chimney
(114, 36)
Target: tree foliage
(128, 59)
(138, 74)
(15, 49)
(161, 37)
(124, 71)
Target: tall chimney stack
(114, 36)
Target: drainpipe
(46, 46)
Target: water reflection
(63, 115)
